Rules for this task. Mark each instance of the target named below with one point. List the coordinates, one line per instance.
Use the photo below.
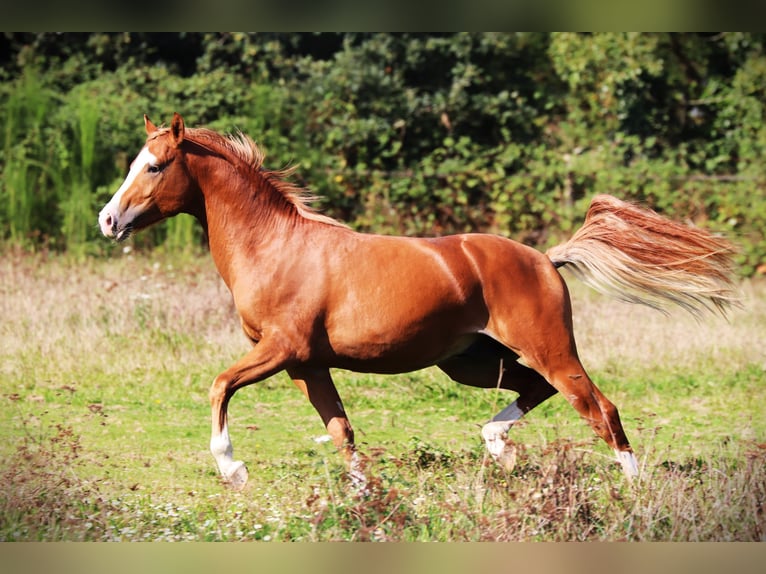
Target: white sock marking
(628, 461)
(355, 472)
(495, 432)
(220, 446)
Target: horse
(312, 294)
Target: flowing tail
(638, 256)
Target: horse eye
(154, 169)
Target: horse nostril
(108, 223)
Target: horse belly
(405, 324)
(401, 355)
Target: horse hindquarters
(531, 314)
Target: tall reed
(76, 200)
(24, 173)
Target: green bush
(422, 134)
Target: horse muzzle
(118, 228)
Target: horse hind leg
(564, 371)
(489, 364)
(599, 412)
(542, 333)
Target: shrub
(422, 134)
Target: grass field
(104, 372)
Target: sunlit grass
(105, 367)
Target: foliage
(403, 133)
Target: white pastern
(232, 471)
(495, 434)
(111, 210)
(220, 446)
(629, 463)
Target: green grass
(105, 367)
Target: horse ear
(177, 128)
(150, 127)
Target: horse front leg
(263, 360)
(318, 386)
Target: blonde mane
(239, 147)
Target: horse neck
(244, 214)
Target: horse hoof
(507, 459)
(237, 478)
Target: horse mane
(240, 148)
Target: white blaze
(111, 211)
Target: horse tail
(638, 256)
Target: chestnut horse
(313, 295)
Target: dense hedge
(403, 133)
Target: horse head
(157, 186)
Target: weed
(104, 370)
(41, 494)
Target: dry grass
(610, 332)
(87, 311)
(104, 369)
(60, 310)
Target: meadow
(105, 365)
